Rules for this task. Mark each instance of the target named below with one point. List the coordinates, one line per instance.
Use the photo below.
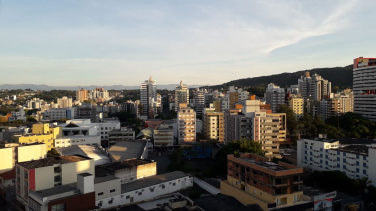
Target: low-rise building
(58, 113)
(95, 152)
(252, 179)
(122, 134)
(111, 193)
(67, 141)
(353, 157)
(38, 175)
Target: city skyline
(91, 42)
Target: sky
(90, 42)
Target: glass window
(58, 207)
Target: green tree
(53, 153)
(291, 122)
(31, 119)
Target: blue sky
(200, 42)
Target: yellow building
(10, 154)
(45, 128)
(47, 139)
(297, 106)
(214, 124)
(252, 179)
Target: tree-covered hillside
(338, 76)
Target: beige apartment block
(297, 106)
(213, 124)
(186, 124)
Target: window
(364, 158)
(140, 193)
(58, 207)
(101, 193)
(57, 169)
(357, 170)
(113, 190)
(57, 178)
(344, 154)
(173, 184)
(364, 165)
(254, 182)
(344, 166)
(127, 197)
(357, 156)
(364, 172)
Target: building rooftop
(124, 150)
(223, 202)
(347, 140)
(51, 161)
(110, 168)
(57, 190)
(121, 130)
(152, 180)
(355, 149)
(93, 151)
(104, 179)
(267, 165)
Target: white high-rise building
(64, 102)
(148, 95)
(274, 96)
(99, 93)
(364, 87)
(181, 95)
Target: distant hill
(338, 76)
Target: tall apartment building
(148, 94)
(181, 95)
(345, 100)
(213, 124)
(99, 93)
(255, 124)
(364, 87)
(199, 100)
(297, 106)
(164, 135)
(132, 107)
(252, 179)
(233, 96)
(81, 95)
(327, 108)
(35, 178)
(64, 102)
(353, 157)
(86, 111)
(186, 117)
(315, 87)
(275, 96)
(35, 103)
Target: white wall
(68, 141)
(323, 156)
(146, 193)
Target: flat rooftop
(124, 150)
(104, 179)
(110, 168)
(267, 165)
(51, 161)
(121, 130)
(152, 180)
(57, 190)
(223, 202)
(347, 140)
(354, 149)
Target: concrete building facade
(213, 124)
(186, 118)
(181, 95)
(252, 179)
(274, 96)
(364, 87)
